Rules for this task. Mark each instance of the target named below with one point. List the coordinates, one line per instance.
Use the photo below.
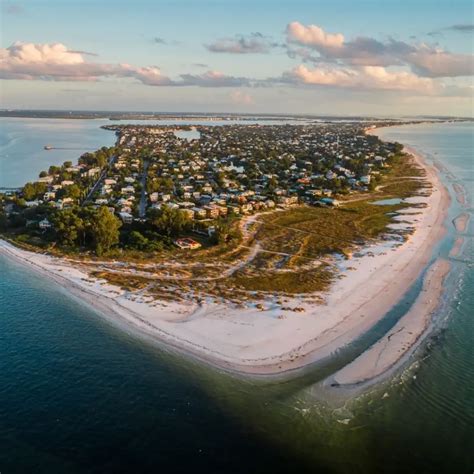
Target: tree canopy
(33, 191)
(105, 230)
(69, 226)
(170, 221)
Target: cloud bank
(55, 62)
(422, 59)
(364, 78)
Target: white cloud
(313, 36)
(366, 77)
(422, 59)
(432, 62)
(55, 62)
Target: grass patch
(125, 282)
(285, 282)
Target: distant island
(146, 115)
(230, 242)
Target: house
(212, 212)
(188, 212)
(126, 217)
(92, 172)
(329, 202)
(49, 195)
(67, 201)
(44, 224)
(187, 243)
(128, 190)
(199, 212)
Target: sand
(386, 352)
(460, 222)
(273, 341)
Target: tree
(170, 221)
(33, 190)
(225, 232)
(137, 240)
(68, 226)
(43, 174)
(54, 170)
(73, 191)
(105, 230)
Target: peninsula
(257, 248)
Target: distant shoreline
(123, 116)
(251, 342)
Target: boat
(48, 147)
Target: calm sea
(77, 395)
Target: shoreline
(264, 343)
(402, 338)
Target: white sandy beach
(272, 341)
(386, 352)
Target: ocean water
(22, 141)
(78, 395)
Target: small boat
(48, 147)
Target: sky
(329, 57)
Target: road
(143, 197)
(99, 180)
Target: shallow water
(78, 395)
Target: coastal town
(236, 237)
(205, 176)
(212, 238)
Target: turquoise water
(78, 395)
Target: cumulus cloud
(55, 62)
(364, 78)
(365, 51)
(313, 36)
(240, 44)
(432, 62)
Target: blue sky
(281, 69)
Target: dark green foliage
(69, 227)
(104, 230)
(170, 221)
(33, 191)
